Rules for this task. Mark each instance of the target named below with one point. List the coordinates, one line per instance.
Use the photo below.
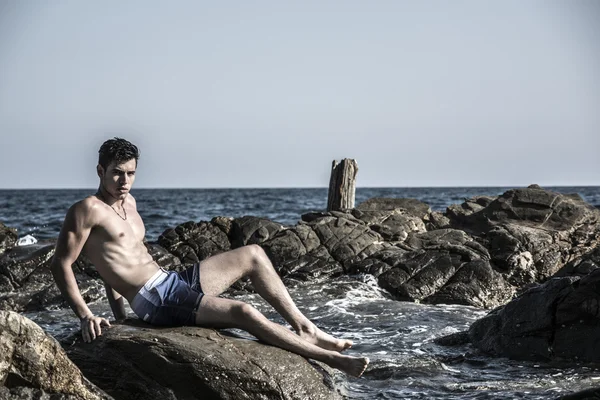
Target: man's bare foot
(354, 366)
(325, 341)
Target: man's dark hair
(119, 150)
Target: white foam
(26, 240)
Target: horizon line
(310, 187)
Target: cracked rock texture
(441, 266)
(193, 242)
(496, 247)
(530, 233)
(26, 282)
(559, 319)
(34, 366)
(138, 362)
(583, 265)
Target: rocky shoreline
(531, 255)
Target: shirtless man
(107, 228)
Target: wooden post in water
(342, 185)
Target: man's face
(117, 179)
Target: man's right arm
(73, 235)
(116, 303)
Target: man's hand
(91, 327)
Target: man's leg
(219, 272)
(215, 312)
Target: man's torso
(115, 246)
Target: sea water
(398, 337)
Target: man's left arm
(117, 305)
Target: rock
(380, 262)
(449, 239)
(582, 265)
(454, 339)
(310, 268)
(587, 394)
(297, 255)
(27, 393)
(441, 267)
(140, 362)
(533, 206)
(26, 282)
(526, 255)
(193, 242)
(394, 225)
(162, 257)
(475, 284)
(321, 246)
(8, 237)
(252, 230)
(393, 218)
(223, 223)
(346, 239)
(411, 206)
(530, 233)
(437, 220)
(557, 320)
(33, 364)
(468, 211)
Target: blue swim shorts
(170, 298)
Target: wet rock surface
(559, 319)
(442, 266)
(136, 361)
(34, 366)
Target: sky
(269, 93)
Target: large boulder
(499, 246)
(531, 233)
(192, 242)
(442, 266)
(321, 246)
(252, 230)
(141, 362)
(34, 366)
(559, 319)
(8, 237)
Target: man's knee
(246, 312)
(257, 254)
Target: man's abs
(126, 267)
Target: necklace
(116, 212)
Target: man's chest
(115, 228)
